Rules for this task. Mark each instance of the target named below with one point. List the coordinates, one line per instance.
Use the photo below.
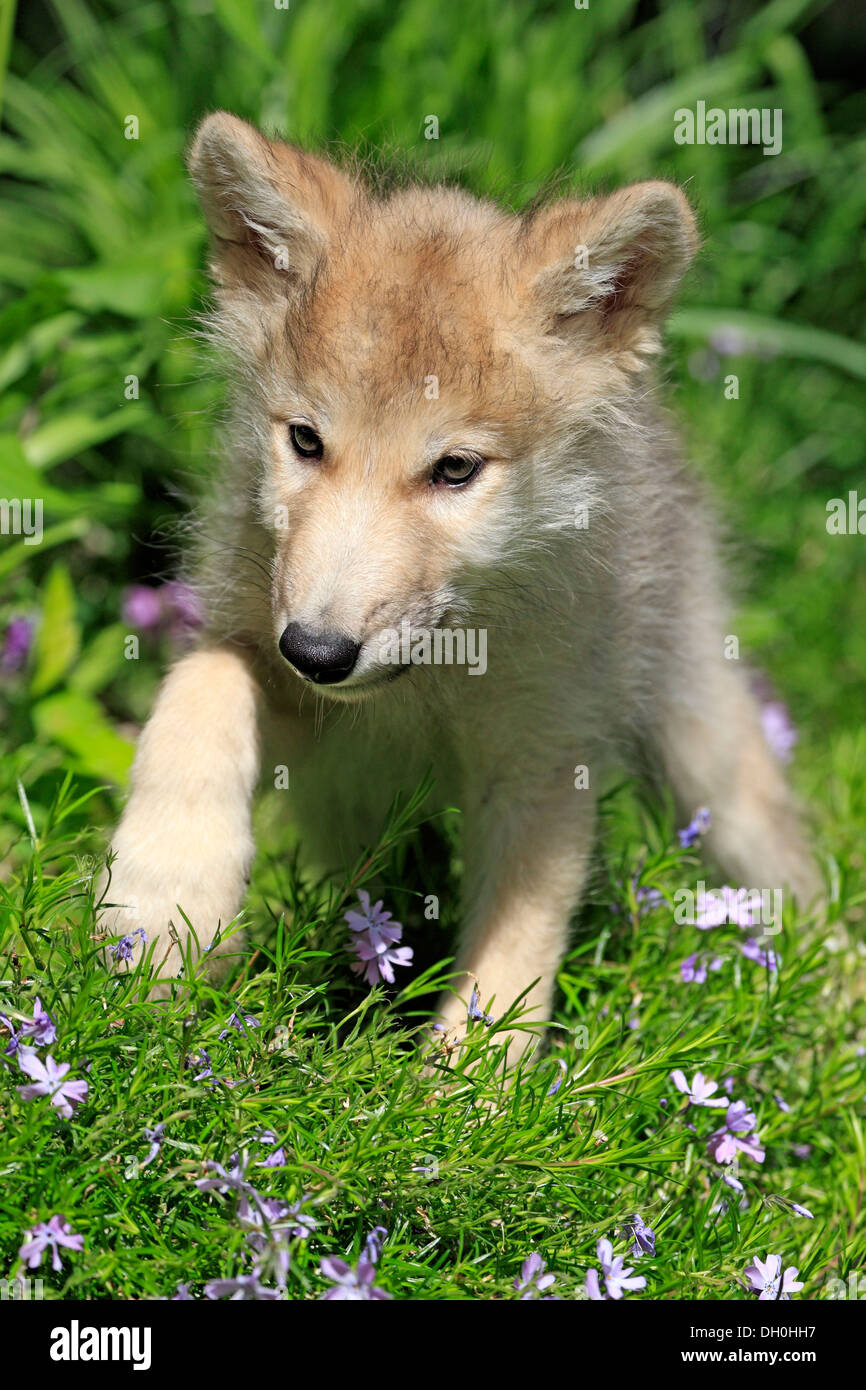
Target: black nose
(326, 657)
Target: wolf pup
(443, 420)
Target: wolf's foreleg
(185, 838)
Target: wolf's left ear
(270, 207)
(610, 266)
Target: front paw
(144, 918)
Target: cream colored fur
(605, 639)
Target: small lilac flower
(555, 1085)
(694, 968)
(14, 1038)
(782, 1104)
(731, 1181)
(733, 906)
(723, 1146)
(17, 641)
(618, 1279)
(796, 1208)
(142, 607)
(802, 1150)
(375, 943)
(752, 950)
(532, 1281)
(351, 1284)
(697, 826)
(184, 608)
(154, 1139)
(241, 1023)
(739, 1119)
(476, 1014)
(49, 1235)
(197, 1060)
(48, 1081)
(183, 1295)
(377, 955)
(769, 1282)
(41, 1028)
(231, 1179)
(123, 949)
(369, 918)
(779, 730)
(701, 1090)
(644, 1236)
(647, 898)
(243, 1287)
(373, 1243)
(277, 1157)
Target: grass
(101, 253)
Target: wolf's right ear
(270, 207)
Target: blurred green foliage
(101, 252)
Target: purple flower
(647, 898)
(373, 1243)
(778, 729)
(723, 1147)
(753, 950)
(231, 1179)
(241, 1023)
(697, 826)
(197, 1060)
(694, 968)
(618, 1278)
(351, 1284)
(184, 607)
(782, 1104)
(475, 1013)
(17, 641)
(375, 943)
(376, 961)
(14, 1038)
(369, 918)
(277, 1157)
(49, 1235)
(154, 1139)
(644, 1237)
(244, 1287)
(142, 607)
(48, 1081)
(122, 949)
(183, 1295)
(796, 1208)
(700, 1091)
(555, 1085)
(532, 1281)
(731, 1181)
(41, 1028)
(769, 1282)
(738, 1119)
(735, 906)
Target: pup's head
(417, 372)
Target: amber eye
(455, 470)
(306, 443)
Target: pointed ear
(270, 207)
(610, 266)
